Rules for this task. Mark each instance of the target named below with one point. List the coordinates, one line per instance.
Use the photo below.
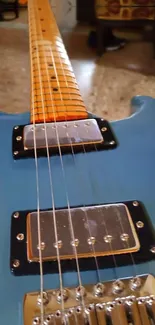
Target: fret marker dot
(55, 89)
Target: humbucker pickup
(102, 231)
(62, 137)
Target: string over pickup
(101, 230)
(62, 137)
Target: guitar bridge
(66, 136)
(132, 299)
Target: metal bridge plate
(104, 231)
(62, 137)
(98, 304)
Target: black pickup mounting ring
(20, 265)
(19, 152)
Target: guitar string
(86, 216)
(72, 150)
(50, 176)
(70, 220)
(37, 188)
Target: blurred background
(107, 80)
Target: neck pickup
(62, 137)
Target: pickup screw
(58, 244)
(124, 237)
(80, 292)
(117, 286)
(16, 153)
(42, 246)
(104, 129)
(45, 299)
(108, 238)
(20, 237)
(36, 321)
(152, 249)
(75, 242)
(16, 263)
(135, 203)
(62, 295)
(91, 240)
(19, 138)
(135, 283)
(16, 215)
(16, 127)
(99, 289)
(140, 224)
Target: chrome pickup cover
(89, 135)
(62, 133)
(132, 299)
(109, 228)
(110, 232)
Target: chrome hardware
(104, 129)
(16, 263)
(91, 240)
(62, 295)
(46, 299)
(83, 241)
(20, 237)
(135, 283)
(124, 237)
(152, 249)
(66, 137)
(42, 246)
(108, 238)
(135, 203)
(99, 289)
(80, 292)
(117, 287)
(16, 215)
(16, 127)
(140, 224)
(36, 321)
(15, 153)
(95, 309)
(19, 138)
(58, 244)
(75, 242)
(112, 142)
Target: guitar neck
(55, 95)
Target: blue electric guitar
(77, 201)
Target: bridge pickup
(103, 230)
(126, 307)
(62, 137)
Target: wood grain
(55, 95)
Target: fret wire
(57, 112)
(59, 55)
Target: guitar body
(125, 173)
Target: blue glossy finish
(126, 173)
